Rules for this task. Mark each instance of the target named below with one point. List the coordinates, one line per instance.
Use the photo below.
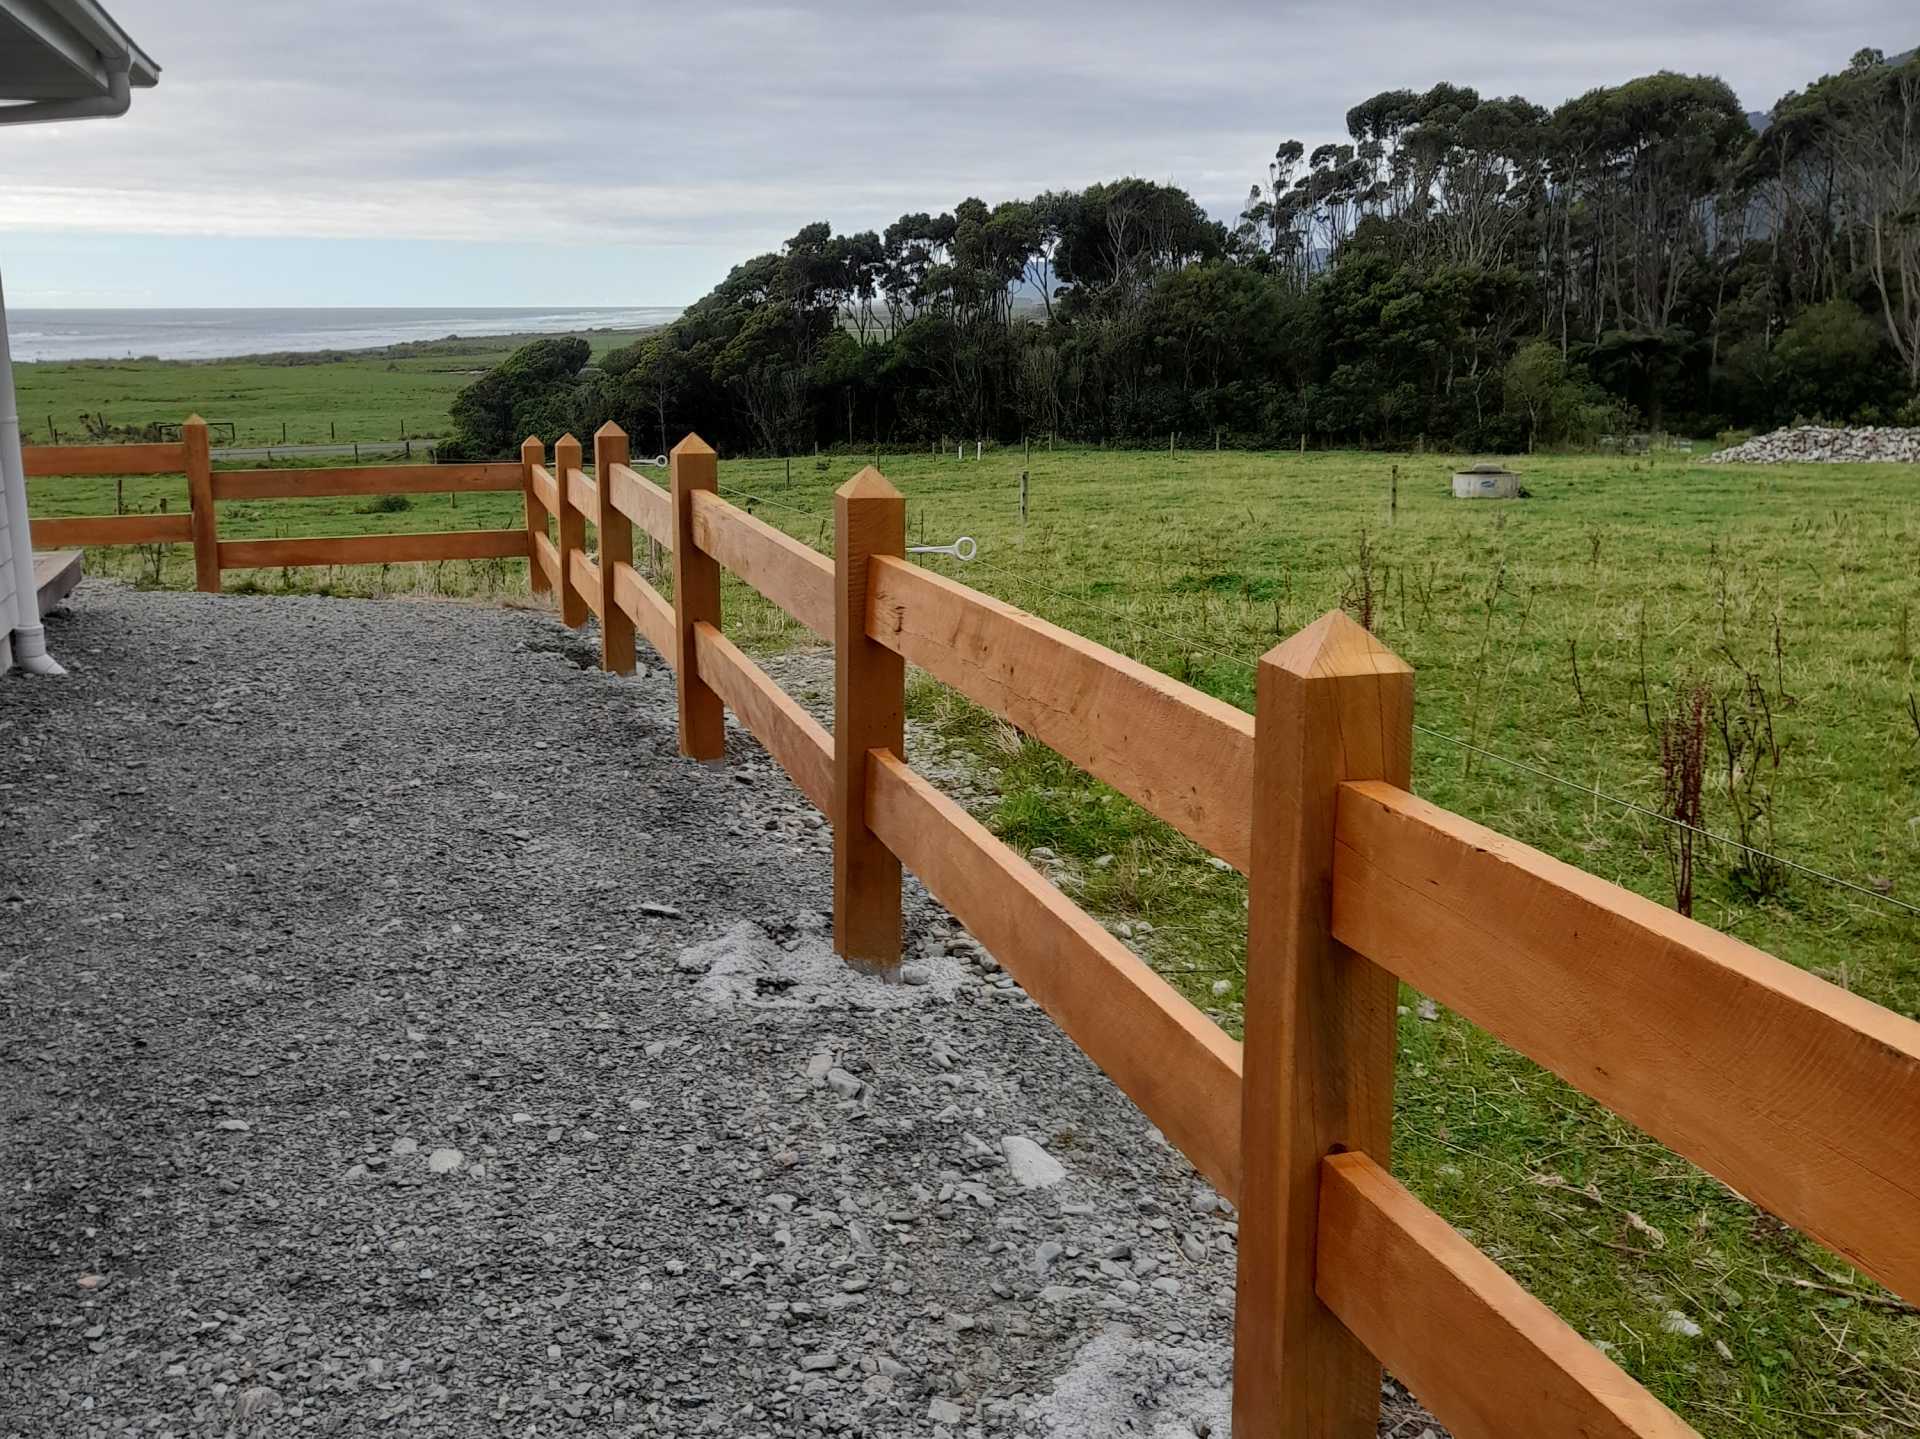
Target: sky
(589, 152)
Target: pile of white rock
(1818, 444)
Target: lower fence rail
(374, 549)
(1484, 1355)
(84, 530)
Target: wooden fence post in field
(573, 532)
(869, 712)
(206, 527)
(532, 455)
(1332, 704)
(696, 597)
(616, 549)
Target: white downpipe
(29, 638)
(117, 101)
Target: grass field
(399, 393)
(1787, 591)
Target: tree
(515, 398)
(1833, 365)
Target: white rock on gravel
(1123, 1384)
(445, 1161)
(1030, 1165)
(745, 966)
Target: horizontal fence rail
(1800, 1096)
(364, 480)
(1180, 753)
(102, 530)
(43, 460)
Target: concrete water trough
(1486, 482)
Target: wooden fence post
(1332, 704)
(869, 712)
(573, 532)
(206, 525)
(696, 597)
(616, 548)
(533, 453)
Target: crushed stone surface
(400, 1036)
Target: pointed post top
(566, 442)
(196, 420)
(533, 448)
(609, 431)
(1333, 646)
(869, 484)
(693, 445)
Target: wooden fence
(199, 523)
(1797, 1094)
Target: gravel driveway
(399, 1034)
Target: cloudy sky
(465, 152)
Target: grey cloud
(731, 125)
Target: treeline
(1482, 273)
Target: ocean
(217, 334)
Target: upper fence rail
(1797, 1094)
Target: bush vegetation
(1466, 271)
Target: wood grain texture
(616, 549)
(364, 480)
(1331, 705)
(869, 713)
(573, 530)
(99, 530)
(42, 460)
(533, 455)
(1485, 1357)
(692, 468)
(585, 576)
(788, 733)
(1175, 1063)
(546, 490)
(794, 576)
(1182, 754)
(548, 558)
(375, 549)
(643, 502)
(652, 616)
(582, 493)
(1801, 1096)
(206, 519)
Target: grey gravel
(356, 1079)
